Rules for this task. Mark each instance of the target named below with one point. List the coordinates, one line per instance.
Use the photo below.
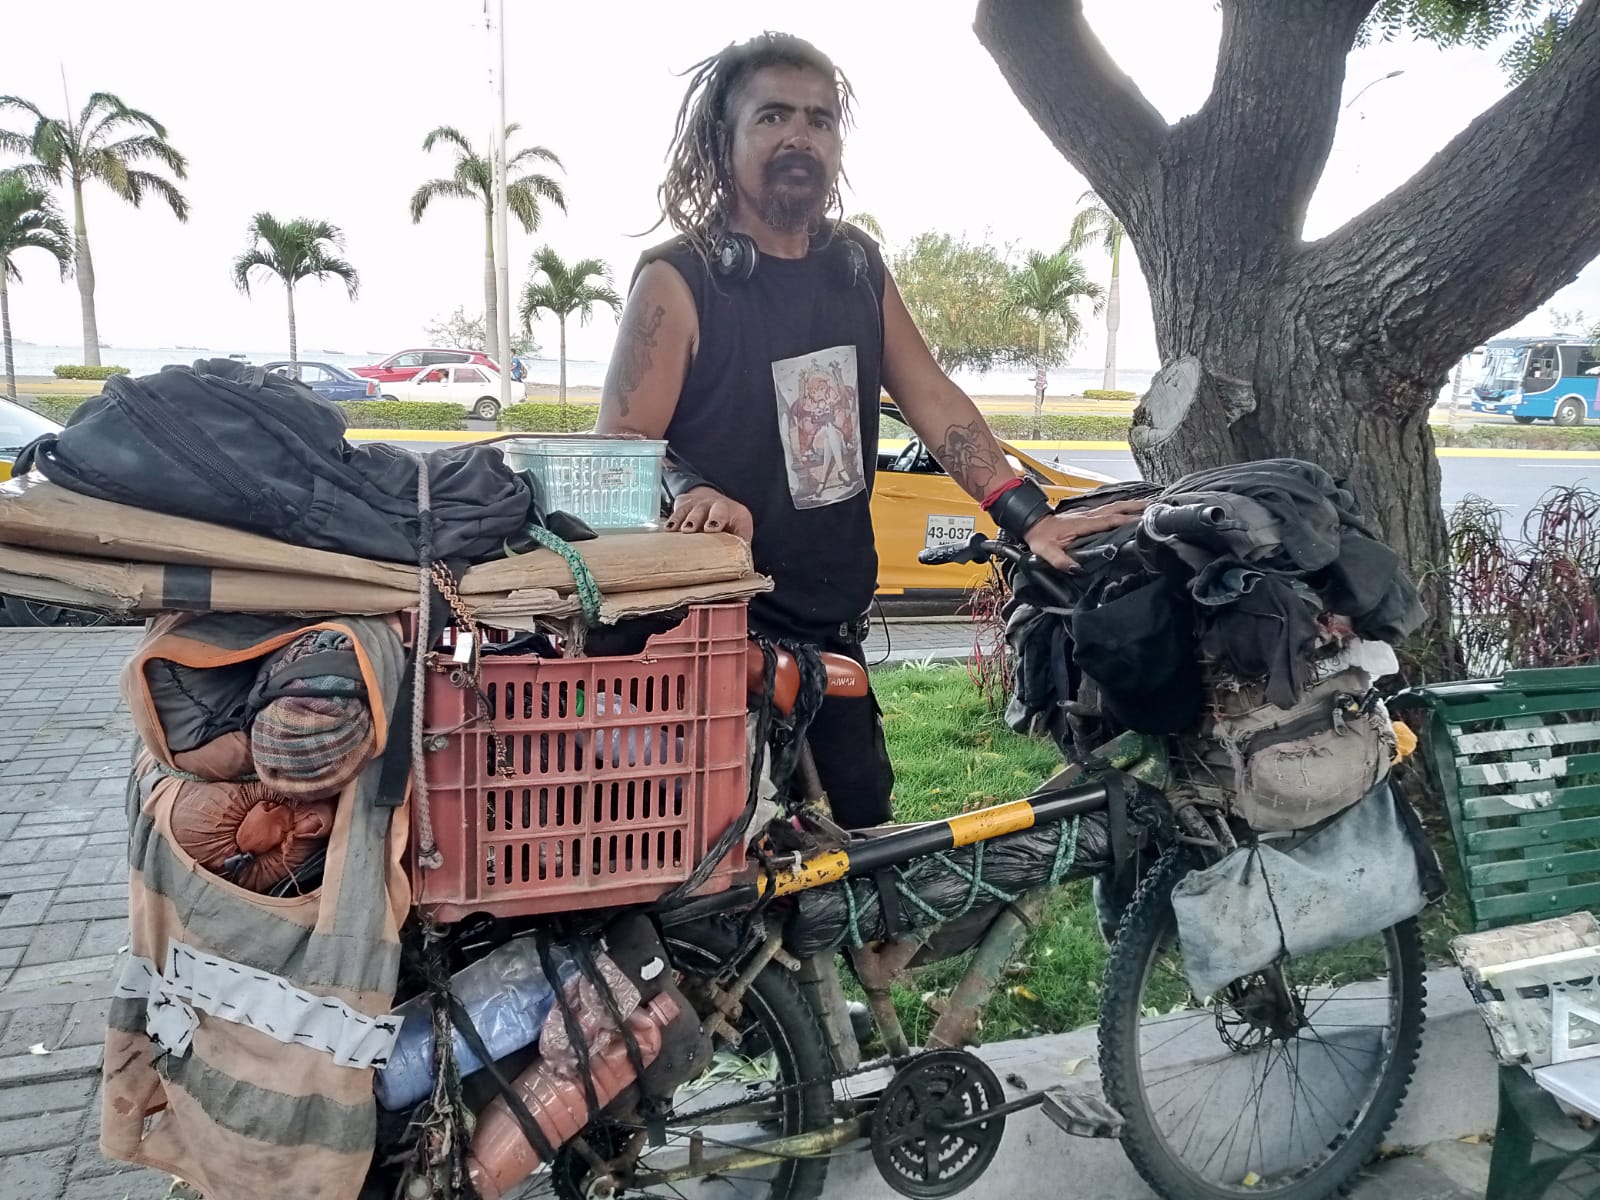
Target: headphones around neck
(735, 257)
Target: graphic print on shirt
(820, 424)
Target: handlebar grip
(938, 556)
(1184, 520)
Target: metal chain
(446, 583)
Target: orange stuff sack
(248, 833)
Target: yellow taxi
(915, 505)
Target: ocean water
(39, 360)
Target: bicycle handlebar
(980, 549)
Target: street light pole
(496, 11)
(1373, 84)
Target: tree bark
(561, 322)
(1113, 315)
(5, 333)
(294, 356)
(85, 270)
(491, 309)
(1333, 351)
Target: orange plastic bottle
(501, 1157)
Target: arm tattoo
(633, 354)
(973, 458)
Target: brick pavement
(64, 746)
(64, 749)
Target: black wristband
(1020, 508)
(678, 477)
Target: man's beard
(789, 204)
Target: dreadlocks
(698, 189)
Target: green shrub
(1511, 437)
(1108, 394)
(57, 408)
(74, 371)
(403, 414)
(1060, 427)
(535, 416)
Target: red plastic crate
(624, 771)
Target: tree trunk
(1332, 350)
(491, 310)
(1038, 386)
(294, 345)
(85, 268)
(5, 333)
(562, 323)
(1113, 316)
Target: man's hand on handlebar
(706, 510)
(1051, 536)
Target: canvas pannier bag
(245, 1028)
(1281, 769)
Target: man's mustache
(794, 160)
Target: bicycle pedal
(1082, 1114)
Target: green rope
(977, 887)
(174, 773)
(588, 590)
(1066, 852)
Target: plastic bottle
(508, 998)
(501, 1157)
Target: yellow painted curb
(420, 435)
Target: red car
(407, 363)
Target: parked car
(18, 427)
(328, 381)
(399, 367)
(915, 505)
(473, 386)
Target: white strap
(251, 997)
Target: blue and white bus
(1540, 379)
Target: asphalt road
(1514, 484)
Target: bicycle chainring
(914, 1155)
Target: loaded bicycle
(702, 1042)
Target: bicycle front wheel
(1282, 1084)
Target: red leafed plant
(1531, 600)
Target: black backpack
(225, 442)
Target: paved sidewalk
(64, 748)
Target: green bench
(1518, 762)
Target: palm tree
(1046, 290)
(92, 147)
(868, 224)
(28, 217)
(1092, 221)
(293, 250)
(567, 291)
(473, 179)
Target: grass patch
(57, 408)
(950, 756)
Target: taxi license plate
(948, 530)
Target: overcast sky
(319, 109)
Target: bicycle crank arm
(802, 1145)
(1078, 1113)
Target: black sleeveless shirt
(780, 411)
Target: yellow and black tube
(891, 849)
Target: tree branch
(1493, 225)
(1091, 111)
(1273, 106)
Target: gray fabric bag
(1353, 877)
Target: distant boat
(188, 347)
(330, 351)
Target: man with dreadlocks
(758, 342)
